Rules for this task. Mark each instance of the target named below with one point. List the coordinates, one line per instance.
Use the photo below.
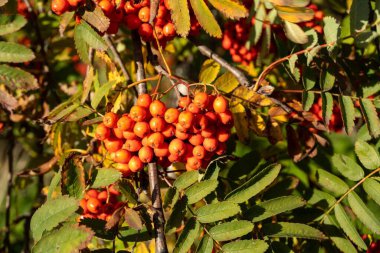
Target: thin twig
(117, 57)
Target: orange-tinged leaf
(291, 3)
(180, 16)
(295, 14)
(257, 123)
(230, 9)
(205, 18)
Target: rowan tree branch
(158, 215)
(117, 57)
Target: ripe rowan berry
(196, 139)
(138, 113)
(83, 205)
(208, 132)
(184, 102)
(212, 118)
(162, 11)
(225, 118)
(144, 100)
(145, 142)
(168, 131)
(102, 132)
(199, 152)
(146, 31)
(107, 7)
(146, 154)
(193, 108)
(193, 163)
(220, 104)
(157, 108)
(122, 156)
(117, 133)
(110, 119)
(139, 3)
(177, 147)
(75, 3)
(159, 32)
(162, 151)
(59, 6)
(124, 169)
(135, 164)
(169, 30)
(185, 119)
(103, 196)
(144, 14)
(125, 123)
(129, 9)
(181, 135)
(93, 205)
(92, 193)
(201, 121)
(141, 129)
(157, 124)
(223, 134)
(171, 115)
(221, 149)
(210, 144)
(133, 145)
(173, 158)
(201, 100)
(129, 135)
(113, 144)
(132, 21)
(156, 140)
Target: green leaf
(292, 63)
(105, 177)
(81, 46)
(257, 28)
(230, 230)
(231, 9)
(98, 226)
(347, 167)
(291, 3)
(245, 246)
(226, 82)
(171, 197)
(217, 211)
(100, 93)
(205, 18)
(209, 71)
(73, 178)
(347, 226)
(79, 113)
(63, 113)
(295, 33)
(254, 185)
(359, 16)
(91, 37)
(348, 113)
(175, 220)
(200, 190)
(327, 106)
(367, 155)
(370, 116)
(206, 245)
(275, 206)
(70, 238)
(309, 79)
(11, 23)
(16, 78)
(187, 237)
(331, 30)
(331, 183)
(340, 241)
(54, 184)
(50, 214)
(312, 38)
(307, 100)
(372, 188)
(368, 218)
(186, 179)
(327, 79)
(294, 14)
(287, 229)
(15, 53)
(181, 16)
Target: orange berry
(193, 108)
(199, 152)
(186, 119)
(135, 164)
(162, 11)
(159, 31)
(122, 156)
(208, 132)
(129, 9)
(156, 140)
(59, 6)
(145, 142)
(146, 31)
(168, 131)
(113, 144)
(193, 163)
(212, 118)
(133, 145)
(125, 123)
(83, 205)
(223, 134)
(177, 147)
(221, 149)
(110, 119)
(144, 100)
(138, 113)
(93, 205)
(107, 7)
(173, 158)
(184, 102)
(196, 139)
(162, 151)
(103, 196)
(92, 193)
(211, 99)
(144, 14)
(102, 132)
(157, 108)
(169, 30)
(146, 154)
(124, 169)
(171, 115)
(225, 118)
(157, 124)
(141, 129)
(220, 104)
(201, 121)
(74, 3)
(181, 135)
(129, 135)
(201, 100)
(210, 144)
(132, 21)
(117, 133)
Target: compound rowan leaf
(331, 29)
(231, 9)
(181, 16)
(217, 211)
(245, 246)
(327, 107)
(240, 121)
(15, 53)
(230, 230)
(178, 213)
(295, 14)
(206, 245)
(11, 23)
(205, 18)
(334, 233)
(359, 16)
(97, 19)
(8, 101)
(50, 214)
(307, 100)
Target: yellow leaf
(245, 95)
(240, 121)
(209, 71)
(226, 82)
(292, 3)
(230, 9)
(205, 18)
(170, 48)
(142, 248)
(257, 123)
(180, 16)
(117, 103)
(295, 14)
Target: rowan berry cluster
(192, 133)
(100, 204)
(236, 36)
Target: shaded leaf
(217, 211)
(209, 71)
(206, 245)
(64, 21)
(181, 16)
(11, 23)
(370, 116)
(171, 197)
(205, 18)
(98, 226)
(187, 237)
(245, 246)
(359, 16)
(73, 178)
(367, 155)
(230, 230)
(101, 93)
(287, 229)
(327, 80)
(337, 237)
(240, 121)
(175, 220)
(348, 113)
(15, 53)
(307, 100)
(16, 78)
(132, 218)
(327, 107)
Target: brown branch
(158, 215)
(117, 57)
